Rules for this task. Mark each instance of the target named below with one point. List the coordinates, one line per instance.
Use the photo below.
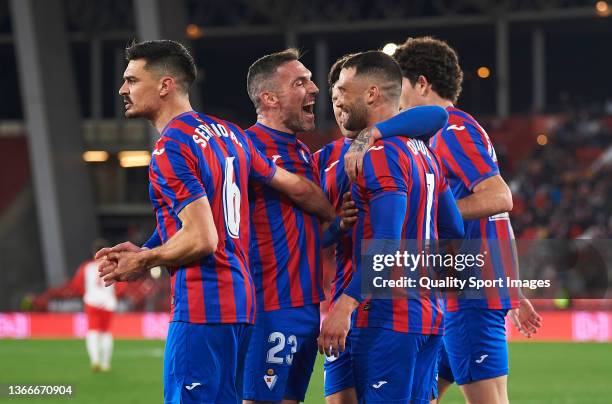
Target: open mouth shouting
(308, 109)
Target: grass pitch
(541, 373)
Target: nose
(123, 89)
(313, 89)
(337, 101)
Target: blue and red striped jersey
(285, 251)
(468, 158)
(201, 156)
(407, 167)
(335, 183)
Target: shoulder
(383, 154)
(221, 125)
(327, 152)
(169, 142)
(460, 122)
(303, 146)
(329, 148)
(387, 147)
(256, 135)
(179, 132)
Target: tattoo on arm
(362, 141)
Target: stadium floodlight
(390, 48)
(134, 158)
(602, 8)
(194, 32)
(95, 156)
(542, 139)
(483, 72)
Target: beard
(144, 109)
(296, 123)
(357, 117)
(132, 111)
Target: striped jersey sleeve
(176, 174)
(382, 172)
(466, 150)
(262, 168)
(329, 162)
(468, 158)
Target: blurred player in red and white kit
(99, 304)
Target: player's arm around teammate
(489, 197)
(197, 238)
(420, 122)
(304, 193)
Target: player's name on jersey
(417, 146)
(205, 131)
(472, 282)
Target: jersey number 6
(231, 200)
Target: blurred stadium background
(537, 76)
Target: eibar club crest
(270, 379)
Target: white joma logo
(482, 358)
(379, 384)
(193, 386)
(455, 127)
(275, 157)
(329, 167)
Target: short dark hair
(334, 71)
(165, 55)
(263, 69)
(436, 61)
(378, 64)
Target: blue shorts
(202, 362)
(444, 369)
(281, 354)
(338, 371)
(425, 380)
(475, 341)
(387, 364)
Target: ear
(372, 94)
(423, 86)
(166, 85)
(268, 99)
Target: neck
(435, 99)
(273, 121)
(382, 112)
(168, 112)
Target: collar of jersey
(285, 136)
(179, 116)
